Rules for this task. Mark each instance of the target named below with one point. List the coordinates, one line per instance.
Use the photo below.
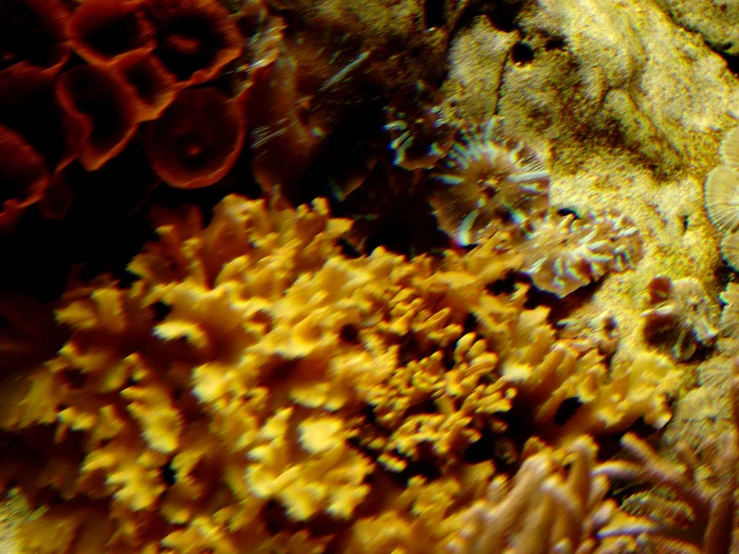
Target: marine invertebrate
(33, 35)
(23, 175)
(543, 509)
(728, 342)
(722, 197)
(680, 316)
(685, 513)
(564, 253)
(28, 106)
(100, 112)
(153, 86)
(489, 182)
(419, 130)
(194, 38)
(197, 139)
(253, 378)
(101, 31)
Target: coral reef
(257, 367)
(340, 276)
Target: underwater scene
(369, 276)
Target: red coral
(23, 176)
(101, 113)
(195, 38)
(102, 30)
(28, 105)
(197, 139)
(32, 34)
(155, 88)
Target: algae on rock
(632, 108)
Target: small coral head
(489, 181)
(722, 197)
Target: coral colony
(270, 287)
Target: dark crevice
(433, 13)
(522, 54)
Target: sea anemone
(564, 253)
(489, 182)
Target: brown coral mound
(100, 31)
(197, 139)
(100, 113)
(23, 178)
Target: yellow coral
(253, 378)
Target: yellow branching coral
(253, 378)
(325, 475)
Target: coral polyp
(489, 181)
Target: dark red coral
(101, 114)
(23, 177)
(153, 86)
(28, 105)
(102, 30)
(32, 33)
(195, 38)
(197, 140)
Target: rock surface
(632, 108)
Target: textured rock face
(632, 108)
(717, 22)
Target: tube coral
(153, 86)
(101, 31)
(418, 126)
(33, 35)
(22, 174)
(197, 139)
(194, 38)
(100, 113)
